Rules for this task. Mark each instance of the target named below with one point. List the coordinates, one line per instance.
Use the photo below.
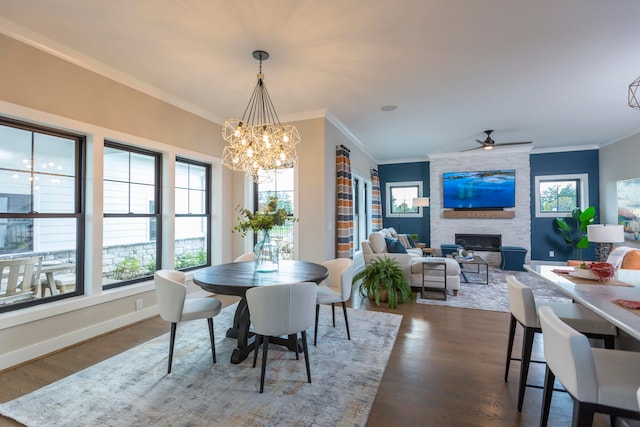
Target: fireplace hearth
(480, 242)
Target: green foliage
(128, 268)
(186, 260)
(414, 237)
(384, 274)
(265, 219)
(574, 232)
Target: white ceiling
(555, 72)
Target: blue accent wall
(544, 235)
(399, 172)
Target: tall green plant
(575, 233)
(384, 274)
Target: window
(558, 195)
(193, 218)
(361, 209)
(400, 197)
(282, 187)
(41, 213)
(132, 221)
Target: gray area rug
(133, 388)
(494, 296)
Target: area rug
(494, 296)
(133, 388)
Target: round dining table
(237, 277)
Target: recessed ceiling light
(389, 107)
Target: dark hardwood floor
(446, 369)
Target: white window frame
(389, 186)
(583, 194)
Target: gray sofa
(412, 262)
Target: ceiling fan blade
(481, 142)
(514, 143)
(471, 149)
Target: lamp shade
(603, 233)
(421, 202)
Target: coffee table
(478, 262)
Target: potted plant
(574, 233)
(384, 276)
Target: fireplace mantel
(479, 214)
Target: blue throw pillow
(394, 246)
(411, 242)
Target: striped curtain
(344, 204)
(376, 204)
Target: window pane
(52, 238)
(191, 242)
(54, 155)
(116, 165)
(143, 169)
(54, 193)
(197, 177)
(558, 196)
(197, 202)
(15, 192)
(402, 199)
(15, 148)
(182, 201)
(128, 250)
(182, 175)
(141, 197)
(116, 197)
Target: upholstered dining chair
(175, 307)
(249, 256)
(335, 288)
(281, 310)
(524, 311)
(598, 380)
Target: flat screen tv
(492, 189)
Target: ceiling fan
(489, 143)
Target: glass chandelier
(258, 143)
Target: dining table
(237, 277)
(603, 298)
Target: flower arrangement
(271, 216)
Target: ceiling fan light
(488, 147)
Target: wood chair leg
(305, 349)
(346, 320)
(171, 343)
(255, 350)
(212, 338)
(527, 346)
(582, 414)
(315, 333)
(265, 347)
(549, 379)
(512, 334)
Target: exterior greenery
(559, 197)
(187, 260)
(384, 275)
(574, 231)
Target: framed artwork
(629, 207)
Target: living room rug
(133, 388)
(494, 296)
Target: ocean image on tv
(479, 189)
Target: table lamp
(604, 236)
(421, 202)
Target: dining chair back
(175, 307)
(524, 307)
(249, 256)
(281, 310)
(336, 288)
(598, 380)
(21, 275)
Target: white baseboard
(56, 343)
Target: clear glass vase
(266, 253)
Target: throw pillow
(404, 239)
(411, 242)
(376, 240)
(394, 246)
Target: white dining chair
(336, 288)
(249, 256)
(598, 380)
(281, 310)
(524, 308)
(174, 307)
